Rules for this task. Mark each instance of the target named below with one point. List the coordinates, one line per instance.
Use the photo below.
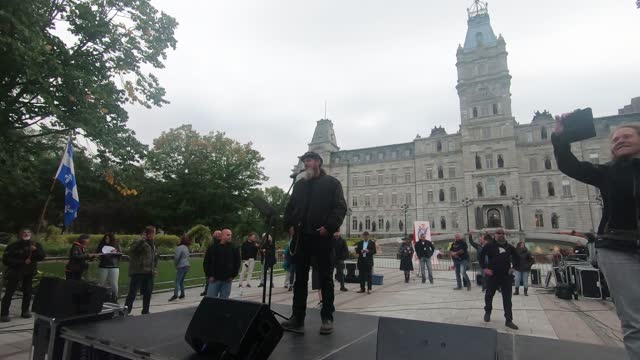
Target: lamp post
(349, 212)
(466, 202)
(517, 200)
(405, 209)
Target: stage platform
(161, 336)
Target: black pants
(144, 282)
(73, 275)
(365, 276)
(502, 282)
(340, 273)
(13, 277)
(318, 247)
(407, 275)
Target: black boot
(517, 292)
(181, 295)
(172, 298)
(525, 291)
(294, 323)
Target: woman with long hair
(405, 253)
(523, 269)
(181, 261)
(109, 252)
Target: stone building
(481, 172)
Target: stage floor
(161, 336)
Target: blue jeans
(219, 289)
(181, 273)
(461, 267)
(426, 262)
(522, 275)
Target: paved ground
(540, 314)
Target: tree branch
(47, 133)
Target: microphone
(295, 174)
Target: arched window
(535, 189)
(354, 223)
(453, 194)
(491, 186)
(547, 163)
(539, 218)
(443, 223)
(489, 161)
(503, 189)
(554, 221)
(500, 161)
(475, 112)
(533, 164)
(495, 109)
(480, 190)
(439, 146)
(566, 187)
(367, 223)
(380, 223)
(478, 162)
(440, 172)
(551, 189)
(441, 195)
(543, 133)
(494, 219)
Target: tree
(200, 179)
(71, 65)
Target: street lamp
(466, 202)
(517, 199)
(349, 212)
(405, 209)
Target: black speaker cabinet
(58, 298)
(412, 339)
(352, 275)
(536, 277)
(589, 281)
(233, 329)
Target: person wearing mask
(77, 264)
(460, 256)
(268, 251)
(221, 264)
(365, 249)
(215, 239)
(109, 253)
(405, 253)
(496, 259)
(424, 252)
(182, 264)
(20, 259)
(249, 252)
(143, 260)
(525, 262)
(618, 241)
(341, 254)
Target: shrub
(200, 234)
(52, 233)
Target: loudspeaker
(564, 291)
(589, 280)
(351, 276)
(412, 339)
(59, 298)
(233, 329)
(536, 277)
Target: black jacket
(525, 260)
(78, 257)
(16, 253)
(109, 260)
(249, 250)
(222, 261)
(498, 258)
(405, 253)
(315, 203)
(268, 251)
(366, 261)
(460, 245)
(424, 248)
(614, 180)
(341, 249)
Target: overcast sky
(261, 70)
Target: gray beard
(309, 173)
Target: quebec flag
(67, 176)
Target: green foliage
(166, 243)
(52, 233)
(200, 234)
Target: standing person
(497, 265)
(617, 246)
(249, 252)
(424, 252)
(341, 254)
(522, 270)
(268, 258)
(478, 246)
(460, 256)
(78, 256)
(108, 267)
(221, 265)
(182, 263)
(365, 249)
(405, 252)
(20, 259)
(215, 239)
(315, 210)
(143, 259)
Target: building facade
(494, 172)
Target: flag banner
(67, 176)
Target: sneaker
(5, 318)
(173, 298)
(204, 293)
(248, 285)
(293, 324)
(181, 296)
(26, 315)
(511, 325)
(344, 289)
(424, 281)
(431, 281)
(360, 291)
(457, 288)
(487, 317)
(326, 328)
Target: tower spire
(478, 8)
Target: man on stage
(315, 211)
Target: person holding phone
(618, 240)
(365, 249)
